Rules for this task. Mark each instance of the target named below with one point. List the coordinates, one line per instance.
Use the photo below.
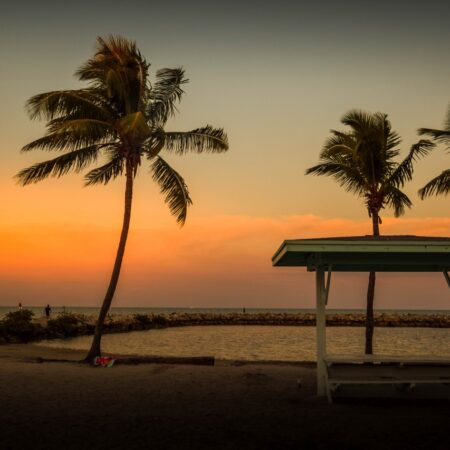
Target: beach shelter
(361, 254)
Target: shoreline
(166, 406)
(30, 353)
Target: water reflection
(249, 342)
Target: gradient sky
(277, 77)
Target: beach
(231, 405)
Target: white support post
(320, 331)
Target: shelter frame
(359, 254)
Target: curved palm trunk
(371, 294)
(95, 347)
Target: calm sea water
(252, 342)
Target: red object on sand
(104, 361)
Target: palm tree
(362, 161)
(439, 185)
(119, 117)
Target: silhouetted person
(48, 310)
(20, 306)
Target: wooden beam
(447, 278)
(196, 360)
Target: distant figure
(20, 306)
(48, 310)
(243, 310)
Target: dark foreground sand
(227, 406)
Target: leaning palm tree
(439, 185)
(118, 119)
(362, 161)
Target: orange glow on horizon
(230, 253)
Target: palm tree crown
(439, 185)
(119, 117)
(362, 160)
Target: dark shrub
(142, 319)
(2, 333)
(160, 320)
(18, 326)
(65, 325)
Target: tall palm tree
(439, 185)
(362, 161)
(119, 117)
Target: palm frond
(439, 185)
(338, 143)
(404, 170)
(348, 176)
(392, 140)
(360, 121)
(154, 144)
(383, 131)
(75, 160)
(72, 135)
(115, 86)
(396, 199)
(164, 94)
(173, 187)
(118, 69)
(103, 174)
(83, 102)
(206, 139)
(83, 126)
(442, 136)
(59, 142)
(112, 51)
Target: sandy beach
(227, 406)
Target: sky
(277, 77)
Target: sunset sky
(277, 77)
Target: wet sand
(226, 406)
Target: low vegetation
(68, 325)
(18, 326)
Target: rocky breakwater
(150, 321)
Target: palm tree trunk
(95, 347)
(371, 293)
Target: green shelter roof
(367, 253)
